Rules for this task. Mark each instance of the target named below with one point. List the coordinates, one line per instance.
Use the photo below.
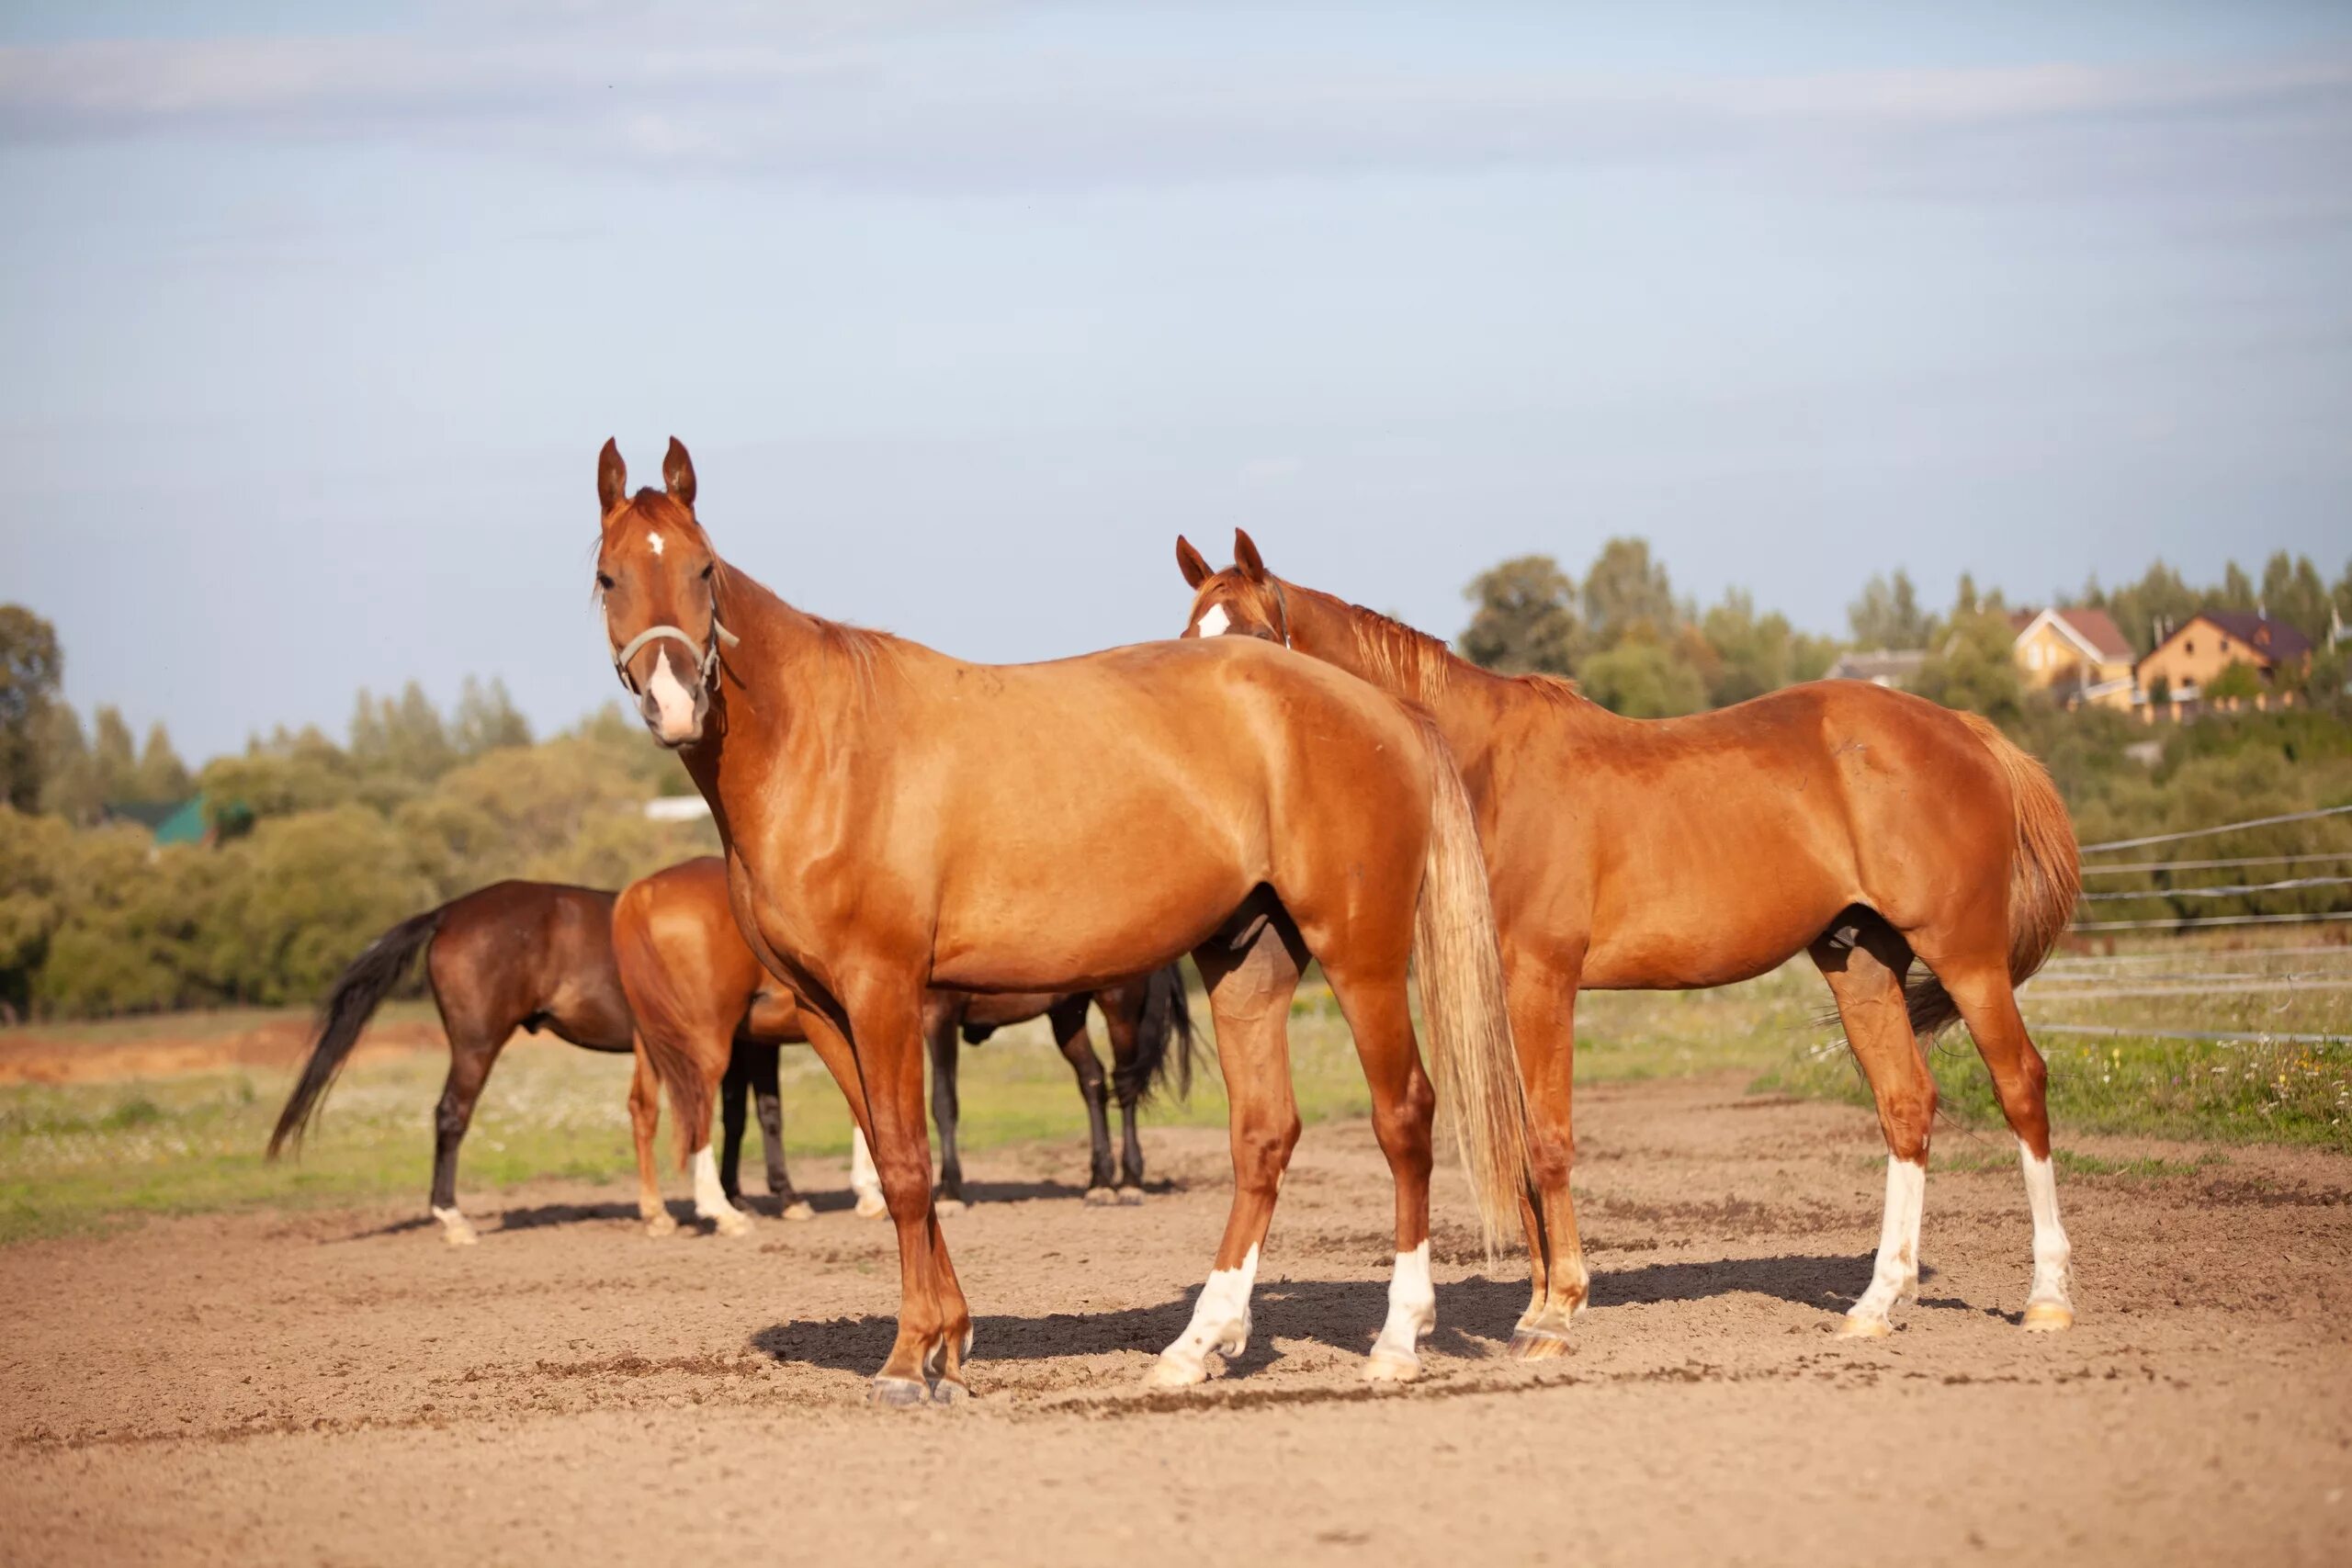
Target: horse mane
(1419, 666)
(861, 651)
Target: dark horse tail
(1167, 1021)
(349, 1006)
(2043, 881)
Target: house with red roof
(2077, 655)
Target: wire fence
(2311, 898)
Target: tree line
(317, 844)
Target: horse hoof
(1102, 1197)
(872, 1206)
(732, 1222)
(1854, 1327)
(1538, 1345)
(899, 1394)
(1384, 1368)
(948, 1205)
(460, 1234)
(950, 1392)
(1165, 1373)
(799, 1209)
(2048, 1317)
(1130, 1197)
(661, 1225)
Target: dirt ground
(344, 1388)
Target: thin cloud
(924, 99)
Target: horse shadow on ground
(1475, 1315)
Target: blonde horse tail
(1460, 960)
(2044, 880)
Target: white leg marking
(864, 1179)
(1896, 1276)
(1220, 1323)
(655, 540)
(1412, 1313)
(710, 1199)
(674, 703)
(456, 1229)
(1214, 620)
(2050, 1304)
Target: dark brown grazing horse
(528, 955)
(896, 820)
(695, 990)
(1856, 824)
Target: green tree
(301, 895)
(113, 756)
(1973, 666)
(160, 776)
(31, 669)
(2237, 589)
(2293, 591)
(70, 786)
(1754, 654)
(487, 719)
(286, 774)
(32, 854)
(1525, 621)
(1888, 614)
(2147, 610)
(2239, 681)
(1625, 589)
(1644, 677)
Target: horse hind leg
(470, 1056)
(1864, 961)
(1251, 982)
(1404, 1107)
(645, 1119)
(1541, 990)
(1988, 1004)
(767, 1103)
(1069, 1021)
(940, 1026)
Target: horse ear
(1245, 555)
(678, 473)
(612, 476)
(1188, 561)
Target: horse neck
(1461, 696)
(781, 702)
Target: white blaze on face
(655, 541)
(673, 702)
(1214, 620)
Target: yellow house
(2212, 640)
(2079, 654)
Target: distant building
(2080, 655)
(1895, 667)
(172, 821)
(2197, 652)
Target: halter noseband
(707, 658)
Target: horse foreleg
(1068, 1020)
(934, 1323)
(734, 1107)
(1404, 1106)
(1122, 1017)
(767, 1104)
(940, 1026)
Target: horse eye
(707, 569)
(603, 582)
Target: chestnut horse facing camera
(1861, 826)
(895, 819)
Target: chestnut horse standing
(896, 819)
(528, 955)
(1859, 825)
(695, 991)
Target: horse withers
(896, 819)
(1863, 827)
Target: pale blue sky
(314, 318)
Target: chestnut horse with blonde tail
(896, 819)
(1861, 826)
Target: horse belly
(1104, 923)
(1714, 919)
